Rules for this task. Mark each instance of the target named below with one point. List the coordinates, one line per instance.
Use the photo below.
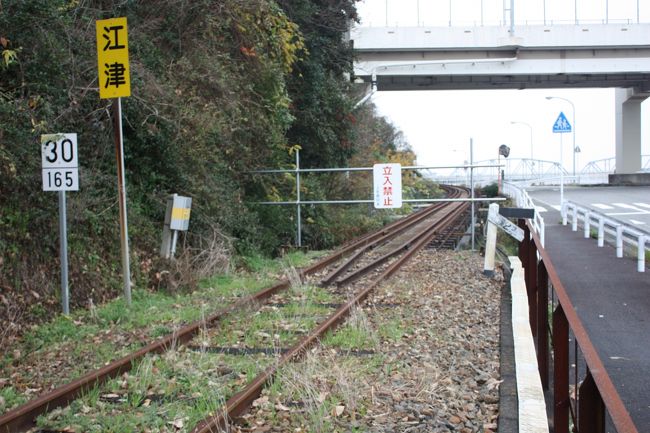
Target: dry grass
(322, 384)
(204, 258)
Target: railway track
(272, 327)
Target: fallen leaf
(262, 401)
(280, 406)
(338, 410)
(178, 423)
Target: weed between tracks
(175, 390)
(421, 356)
(57, 352)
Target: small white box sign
(59, 161)
(387, 185)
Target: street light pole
(573, 107)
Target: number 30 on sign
(59, 158)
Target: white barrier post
(601, 232)
(641, 254)
(619, 241)
(564, 212)
(587, 224)
(574, 223)
(490, 241)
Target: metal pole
(481, 13)
(386, 13)
(63, 253)
(606, 11)
(574, 139)
(298, 217)
(121, 187)
(418, 9)
(544, 12)
(561, 175)
(449, 13)
(471, 185)
(575, 11)
(512, 17)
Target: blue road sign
(561, 125)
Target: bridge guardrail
(522, 199)
(585, 403)
(620, 232)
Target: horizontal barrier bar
(413, 200)
(351, 169)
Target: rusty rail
(595, 395)
(23, 417)
(241, 401)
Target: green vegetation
(356, 333)
(491, 190)
(164, 393)
(89, 338)
(218, 89)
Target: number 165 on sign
(59, 158)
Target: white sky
(439, 124)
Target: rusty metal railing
(580, 407)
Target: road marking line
(639, 223)
(602, 206)
(628, 206)
(646, 205)
(557, 207)
(627, 213)
(540, 209)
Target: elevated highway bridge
(516, 57)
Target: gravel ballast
(428, 361)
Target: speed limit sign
(59, 158)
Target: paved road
(611, 298)
(628, 204)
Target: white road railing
(522, 199)
(619, 232)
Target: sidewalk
(612, 300)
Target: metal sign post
(121, 187)
(561, 126)
(298, 215)
(63, 253)
(115, 83)
(61, 173)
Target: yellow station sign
(113, 58)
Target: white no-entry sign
(59, 162)
(387, 185)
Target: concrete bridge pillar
(628, 131)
